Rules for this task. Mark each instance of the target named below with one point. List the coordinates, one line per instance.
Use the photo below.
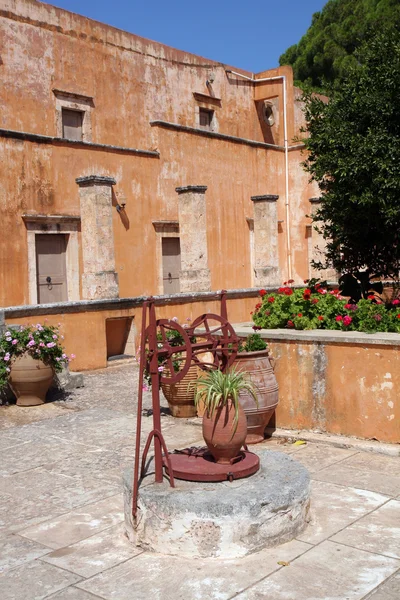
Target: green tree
(353, 148)
(325, 53)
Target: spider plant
(216, 389)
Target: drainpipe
(286, 146)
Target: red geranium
(314, 301)
(320, 318)
(339, 318)
(262, 293)
(347, 320)
(291, 324)
(300, 315)
(258, 305)
(271, 299)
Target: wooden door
(171, 256)
(51, 268)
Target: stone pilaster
(99, 278)
(195, 275)
(266, 262)
(317, 246)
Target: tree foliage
(326, 52)
(353, 148)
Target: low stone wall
(338, 382)
(84, 323)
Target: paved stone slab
(390, 590)
(333, 507)
(377, 532)
(155, 577)
(315, 457)
(54, 490)
(73, 593)
(77, 525)
(365, 480)
(34, 581)
(16, 515)
(30, 455)
(327, 572)
(367, 461)
(96, 553)
(15, 551)
(15, 417)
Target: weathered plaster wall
(133, 82)
(337, 382)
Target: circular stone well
(224, 520)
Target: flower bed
(316, 307)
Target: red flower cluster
(258, 305)
(291, 324)
(307, 294)
(339, 318)
(300, 315)
(271, 299)
(347, 320)
(262, 293)
(314, 301)
(285, 290)
(267, 313)
(320, 318)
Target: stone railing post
(266, 261)
(195, 275)
(99, 278)
(317, 246)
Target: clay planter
(180, 396)
(218, 431)
(30, 380)
(262, 376)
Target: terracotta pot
(261, 374)
(30, 380)
(180, 396)
(218, 431)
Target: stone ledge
(47, 139)
(88, 180)
(55, 308)
(322, 336)
(213, 134)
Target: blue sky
(248, 35)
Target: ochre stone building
(130, 168)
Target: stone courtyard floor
(61, 513)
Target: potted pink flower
(29, 357)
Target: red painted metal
(197, 464)
(215, 335)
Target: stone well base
(224, 520)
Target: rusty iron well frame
(219, 341)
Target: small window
(206, 118)
(72, 121)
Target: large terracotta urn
(223, 441)
(261, 374)
(180, 395)
(30, 380)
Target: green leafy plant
(215, 389)
(252, 343)
(42, 342)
